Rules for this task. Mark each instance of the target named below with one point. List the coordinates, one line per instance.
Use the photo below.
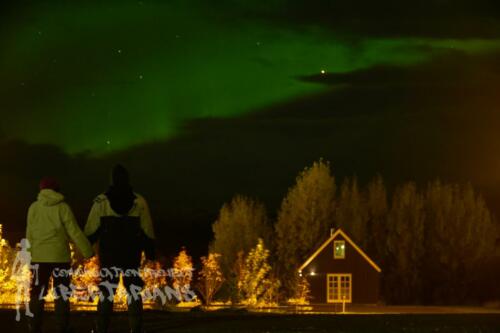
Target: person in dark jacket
(120, 222)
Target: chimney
(332, 231)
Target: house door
(338, 288)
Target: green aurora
(136, 73)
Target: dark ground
(253, 322)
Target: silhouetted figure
(23, 259)
(121, 223)
(51, 226)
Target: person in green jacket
(50, 229)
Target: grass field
(273, 323)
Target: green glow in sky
(102, 78)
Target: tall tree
(405, 244)
(377, 209)
(459, 232)
(351, 212)
(239, 226)
(305, 216)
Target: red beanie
(49, 183)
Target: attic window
(339, 249)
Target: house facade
(339, 271)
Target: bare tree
(210, 278)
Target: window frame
(337, 289)
(342, 243)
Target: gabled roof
(350, 241)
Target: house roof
(350, 241)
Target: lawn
(274, 323)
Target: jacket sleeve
(146, 222)
(147, 228)
(94, 221)
(29, 233)
(75, 233)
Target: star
(323, 71)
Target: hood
(50, 197)
(121, 198)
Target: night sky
(202, 101)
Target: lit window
(338, 249)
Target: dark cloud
(355, 18)
(385, 18)
(447, 68)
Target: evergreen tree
(405, 245)
(376, 228)
(459, 232)
(256, 284)
(183, 274)
(351, 213)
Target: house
(340, 271)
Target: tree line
(436, 244)
(432, 242)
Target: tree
(239, 225)
(255, 282)
(8, 282)
(272, 291)
(405, 244)
(235, 275)
(351, 211)
(376, 228)
(86, 279)
(210, 278)
(460, 232)
(302, 293)
(305, 216)
(154, 278)
(183, 274)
